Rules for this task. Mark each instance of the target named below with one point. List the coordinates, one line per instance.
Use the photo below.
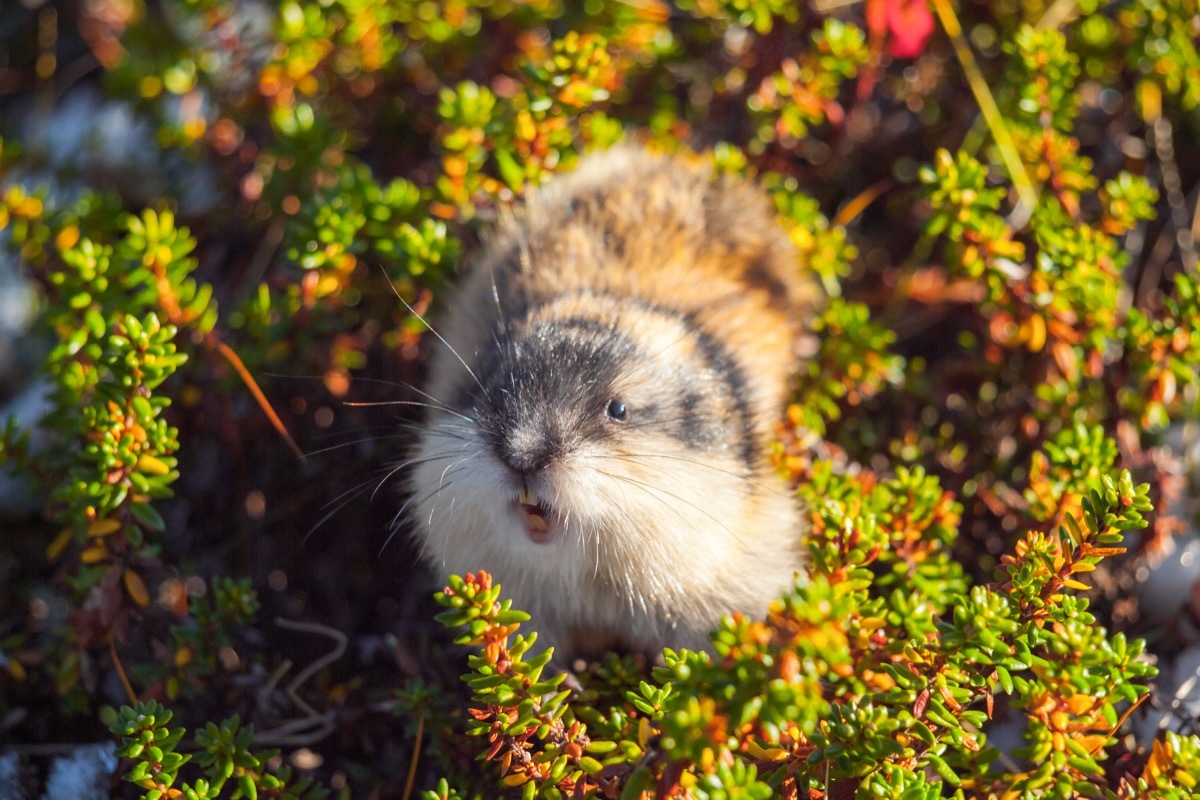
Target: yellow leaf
(194, 128)
(1035, 333)
(525, 128)
(152, 465)
(136, 588)
(1082, 566)
(761, 753)
(1076, 585)
(1166, 387)
(1150, 100)
(328, 284)
(95, 553)
(28, 207)
(103, 527)
(645, 731)
(59, 544)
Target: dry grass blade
(1026, 192)
(263, 403)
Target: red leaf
(922, 701)
(910, 22)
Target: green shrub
(860, 679)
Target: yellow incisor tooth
(526, 497)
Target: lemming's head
(595, 422)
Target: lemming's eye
(616, 410)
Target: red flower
(907, 23)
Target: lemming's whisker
(440, 403)
(392, 430)
(441, 339)
(443, 484)
(453, 433)
(395, 429)
(412, 462)
(358, 429)
(353, 490)
(633, 426)
(632, 457)
(355, 442)
(394, 525)
(595, 551)
(338, 503)
(344, 498)
(453, 466)
(434, 401)
(669, 584)
(650, 489)
(499, 309)
(443, 408)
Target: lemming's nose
(527, 451)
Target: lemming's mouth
(540, 518)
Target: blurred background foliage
(209, 207)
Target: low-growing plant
(224, 758)
(875, 676)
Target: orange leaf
(67, 237)
(1159, 761)
(1080, 704)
